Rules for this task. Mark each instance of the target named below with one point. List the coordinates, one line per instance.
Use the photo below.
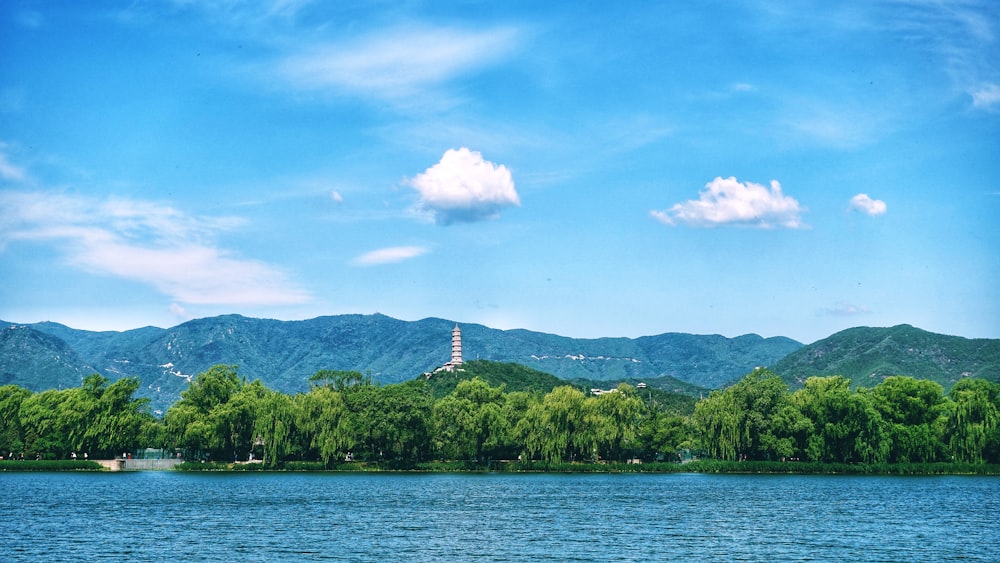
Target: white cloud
(178, 311)
(335, 196)
(145, 242)
(726, 201)
(463, 187)
(842, 309)
(986, 96)
(867, 205)
(389, 255)
(397, 63)
(8, 170)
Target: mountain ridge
(867, 355)
(283, 354)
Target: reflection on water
(455, 517)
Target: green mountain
(33, 359)
(514, 377)
(666, 392)
(868, 355)
(283, 354)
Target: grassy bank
(701, 466)
(775, 468)
(50, 465)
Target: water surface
(496, 517)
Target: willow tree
(469, 422)
(914, 413)
(974, 424)
(198, 422)
(555, 429)
(274, 427)
(846, 425)
(324, 424)
(740, 421)
(117, 420)
(11, 430)
(614, 421)
(55, 421)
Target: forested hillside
(512, 377)
(867, 356)
(36, 360)
(344, 417)
(284, 354)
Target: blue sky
(615, 169)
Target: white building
(456, 352)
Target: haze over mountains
(283, 354)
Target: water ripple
(490, 517)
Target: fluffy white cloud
(867, 205)
(148, 243)
(726, 201)
(464, 187)
(389, 255)
(396, 63)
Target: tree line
(222, 417)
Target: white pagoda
(456, 353)
(456, 346)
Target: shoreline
(515, 467)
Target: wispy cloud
(986, 96)
(393, 64)
(389, 255)
(147, 242)
(833, 124)
(865, 204)
(727, 201)
(842, 309)
(462, 187)
(961, 36)
(8, 170)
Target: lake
(498, 517)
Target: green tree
(974, 424)
(325, 425)
(396, 420)
(235, 420)
(914, 412)
(275, 428)
(53, 422)
(11, 431)
(555, 429)
(750, 419)
(615, 420)
(338, 380)
(117, 420)
(469, 422)
(847, 427)
(515, 408)
(665, 434)
(199, 422)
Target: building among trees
(456, 347)
(455, 362)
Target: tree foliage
(345, 417)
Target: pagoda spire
(456, 346)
